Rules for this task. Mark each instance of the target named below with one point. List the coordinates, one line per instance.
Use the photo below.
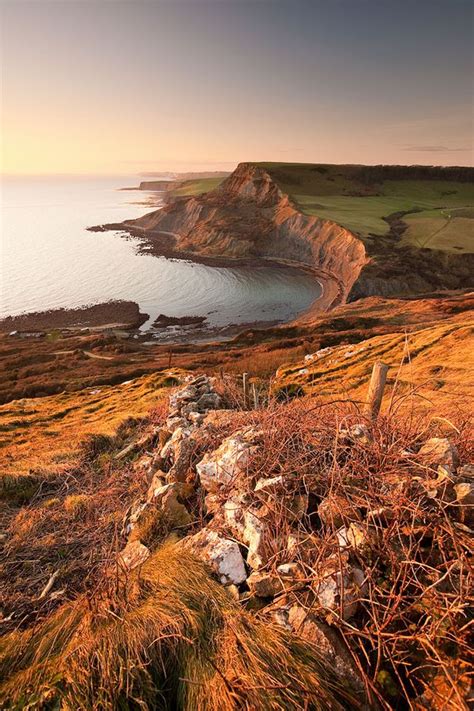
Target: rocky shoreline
(162, 244)
(164, 321)
(109, 314)
(248, 221)
(250, 216)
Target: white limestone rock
(178, 435)
(227, 462)
(234, 515)
(438, 451)
(254, 538)
(271, 484)
(341, 590)
(264, 584)
(307, 626)
(221, 554)
(352, 536)
(358, 433)
(465, 501)
(209, 401)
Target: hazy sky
(106, 86)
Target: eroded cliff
(249, 216)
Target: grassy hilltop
(196, 186)
(438, 202)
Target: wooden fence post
(376, 388)
(255, 396)
(245, 383)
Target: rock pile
(258, 533)
(169, 466)
(238, 541)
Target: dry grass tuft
(77, 504)
(68, 523)
(170, 637)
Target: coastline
(117, 314)
(156, 243)
(126, 316)
(331, 291)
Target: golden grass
(67, 522)
(430, 367)
(170, 637)
(265, 362)
(39, 433)
(77, 504)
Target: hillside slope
(214, 558)
(38, 434)
(432, 365)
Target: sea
(49, 260)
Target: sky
(121, 87)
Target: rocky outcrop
(227, 462)
(438, 451)
(299, 534)
(118, 313)
(249, 216)
(221, 554)
(133, 555)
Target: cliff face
(157, 185)
(408, 270)
(249, 216)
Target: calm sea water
(49, 260)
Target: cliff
(248, 216)
(156, 185)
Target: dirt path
(436, 232)
(89, 354)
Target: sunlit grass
(197, 187)
(451, 230)
(334, 193)
(38, 432)
(171, 637)
(432, 364)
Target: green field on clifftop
(196, 187)
(439, 201)
(360, 197)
